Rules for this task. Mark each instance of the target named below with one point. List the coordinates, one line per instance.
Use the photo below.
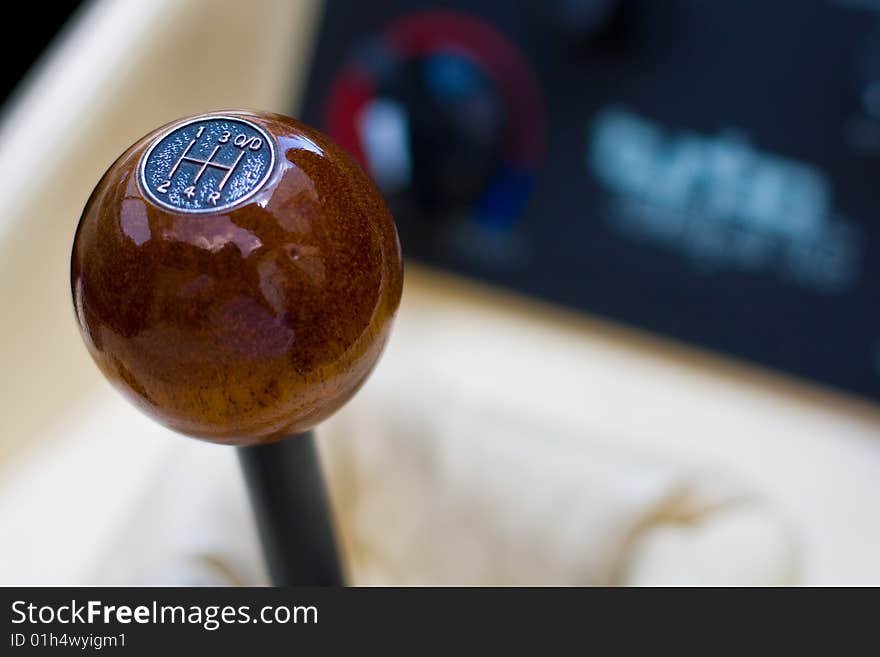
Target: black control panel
(706, 170)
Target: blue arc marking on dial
(207, 165)
(504, 198)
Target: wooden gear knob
(235, 274)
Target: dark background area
(34, 31)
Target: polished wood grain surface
(250, 324)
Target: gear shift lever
(235, 275)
